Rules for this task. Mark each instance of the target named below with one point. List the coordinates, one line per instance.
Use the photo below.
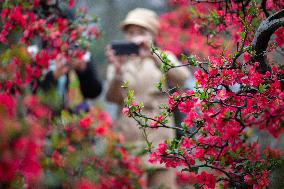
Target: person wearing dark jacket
(74, 81)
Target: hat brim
(127, 23)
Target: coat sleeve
(177, 76)
(48, 81)
(114, 92)
(90, 85)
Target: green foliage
(161, 83)
(130, 97)
(166, 63)
(262, 87)
(191, 60)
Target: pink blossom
(125, 111)
(221, 94)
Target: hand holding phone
(61, 66)
(113, 59)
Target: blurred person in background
(75, 81)
(69, 80)
(142, 71)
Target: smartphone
(124, 48)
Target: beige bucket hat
(142, 17)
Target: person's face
(134, 33)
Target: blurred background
(109, 14)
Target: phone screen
(125, 48)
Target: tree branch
(262, 37)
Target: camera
(125, 48)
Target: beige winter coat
(142, 75)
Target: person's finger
(109, 52)
(121, 58)
(109, 49)
(108, 46)
(111, 57)
(133, 55)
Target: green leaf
(153, 48)
(227, 115)
(202, 95)
(125, 84)
(183, 57)
(196, 83)
(161, 83)
(185, 169)
(194, 169)
(251, 11)
(141, 105)
(222, 162)
(183, 125)
(192, 60)
(243, 34)
(130, 95)
(262, 87)
(197, 186)
(221, 186)
(95, 18)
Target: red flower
(280, 36)
(186, 107)
(71, 3)
(85, 184)
(159, 119)
(43, 58)
(216, 62)
(100, 130)
(4, 13)
(57, 158)
(162, 147)
(185, 178)
(8, 103)
(62, 24)
(187, 143)
(190, 118)
(207, 179)
(3, 35)
(17, 16)
(86, 122)
(154, 157)
(201, 78)
(153, 123)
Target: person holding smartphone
(75, 81)
(142, 70)
(66, 84)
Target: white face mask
(87, 56)
(33, 50)
(137, 34)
